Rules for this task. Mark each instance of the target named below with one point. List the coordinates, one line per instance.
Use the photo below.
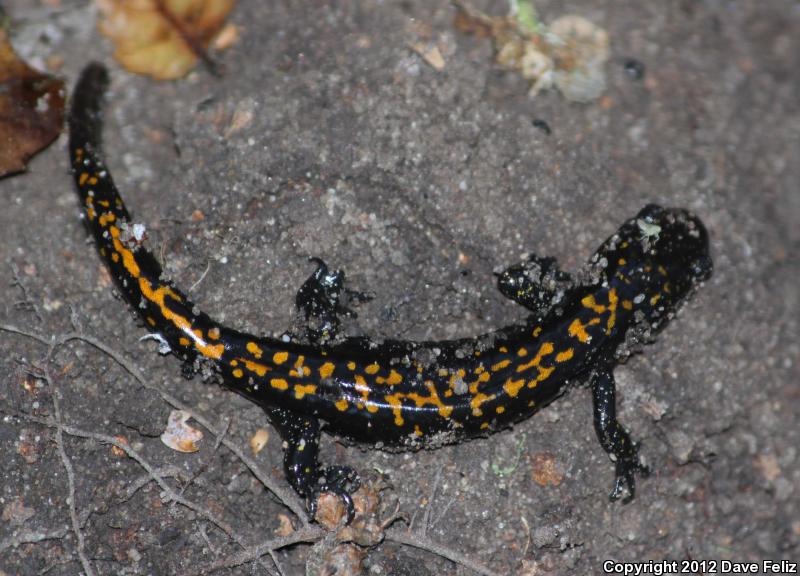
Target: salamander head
(656, 259)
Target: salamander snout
(677, 240)
(702, 268)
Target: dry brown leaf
(161, 38)
(31, 109)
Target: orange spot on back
(589, 302)
(394, 400)
(255, 350)
(512, 387)
(279, 384)
(500, 365)
(565, 355)
(326, 370)
(578, 330)
(545, 349)
(477, 401)
(107, 218)
(544, 374)
(255, 367)
(182, 323)
(300, 390)
(612, 308)
(128, 259)
(393, 378)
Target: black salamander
(411, 394)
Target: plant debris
(31, 109)
(570, 53)
(162, 38)
(179, 435)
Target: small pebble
(634, 68)
(542, 125)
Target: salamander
(401, 393)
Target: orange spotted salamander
(411, 394)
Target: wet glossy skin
(406, 393)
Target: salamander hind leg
(301, 461)
(613, 437)
(537, 284)
(322, 299)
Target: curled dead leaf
(31, 109)
(179, 435)
(331, 510)
(367, 527)
(161, 38)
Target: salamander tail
(85, 115)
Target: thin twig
(26, 303)
(306, 534)
(277, 563)
(30, 537)
(73, 506)
(424, 543)
(211, 547)
(169, 471)
(286, 497)
(202, 276)
(427, 514)
(207, 460)
(168, 494)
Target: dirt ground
(419, 183)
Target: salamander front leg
(322, 298)
(537, 284)
(613, 437)
(300, 434)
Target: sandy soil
(419, 183)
